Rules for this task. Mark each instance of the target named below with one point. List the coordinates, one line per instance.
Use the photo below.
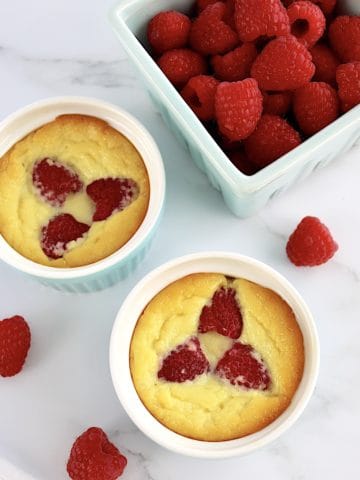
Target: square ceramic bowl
(244, 195)
(120, 264)
(232, 265)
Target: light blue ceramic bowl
(244, 195)
(120, 264)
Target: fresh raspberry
(222, 315)
(242, 366)
(239, 159)
(168, 30)
(59, 232)
(235, 65)
(284, 64)
(15, 339)
(181, 64)
(327, 6)
(307, 22)
(199, 94)
(325, 63)
(185, 362)
(203, 4)
(111, 195)
(315, 105)
(277, 103)
(344, 36)
(54, 182)
(238, 107)
(94, 457)
(229, 16)
(310, 244)
(272, 138)
(348, 79)
(229, 13)
(210, 34)
(255, 18)
(226, 144)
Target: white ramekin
(117, 266)
(232, 265)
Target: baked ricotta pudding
(72, 192)
(215, 358)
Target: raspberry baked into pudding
(72, 192)
(215, 358)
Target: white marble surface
(62, 47)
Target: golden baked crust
(94, 150)
(209, 408)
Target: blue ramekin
(120, 264)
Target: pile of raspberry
(262, 75)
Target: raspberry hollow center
(300, 28)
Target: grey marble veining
(67, 48)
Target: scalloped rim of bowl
(231, 264)
(240, 183)
(19, 124)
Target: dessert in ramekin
(82, 188)
(72, 192)
(216, 358)
(205, 387)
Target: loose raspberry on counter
(54, 181)
(325, 62)
(59, 232)
(238, 107)
(111, 195)
(239, 159)
(284, 64)
(235, 65)
(210, 34)
(315, 106)
(307, 22)
(15, 339)
(199, 94)
(181, 64)
(185, 362)
(222, 315)
(255, 18)
(277, 103)
(272, 138)
(344, 36)
(242, 366)
(348, 79)
(168, 30)
(94, 457)
(310, 244)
